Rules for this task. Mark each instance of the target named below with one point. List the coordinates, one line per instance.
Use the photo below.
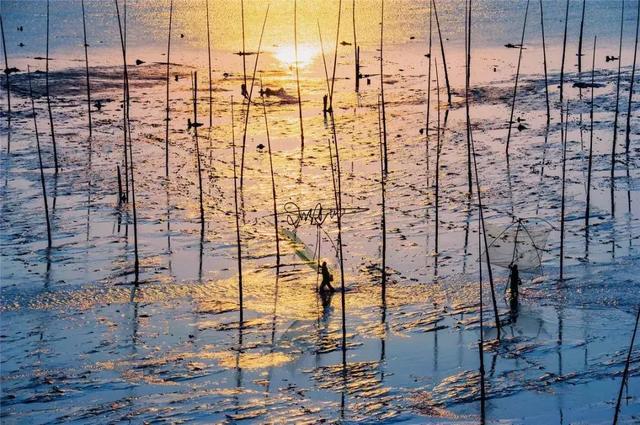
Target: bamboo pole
(194, 84)
(209, 60)
(584, 5)
(7, 84)
(590, 163)
(564, 49)
(383, 213)
(237, 215)
(564, 173)
(356, 49)
(384, 115)
(86, 62)
(544, 59)
(246, 119)
(633, 75)
(273, 186)
(615, 119)
(167, 111)
(444, 59)
(625, 373)
(295, 42)
(44, 188)
(515, 86)
(53, 135)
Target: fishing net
(521, 242)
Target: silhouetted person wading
(326, 279)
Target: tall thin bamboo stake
(356, 50)
(615, 119)
(235, 202)
(564, 50)
(297, 65)
(444, 59)
(86, 63)
(384, 115)
(426, 130)
(273, 185)
(127, 126)
(335, 56)
(544, 59)
(210, 77)
(588, 206)
(194, 85)
(466, 91)
(244, 50)
(584, 4)
(44, 188)
(383, 221)
(246, 118)
(515, 86)
(167, 111)
(633, 75)
(563, 130)
(437, 171)
(53, 135)
(625, 373)
(7, 84)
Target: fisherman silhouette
(326, 279)
(514, 282)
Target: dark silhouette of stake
(167, 111)
(383, 221)
(426, 130)
(544, 59)
(633, 76)
(194, 86)
(246, 117)
(53, 135)
(563, 130)
(466, 91)
(86, 63)
(295, 43)
(356, 49)
(273, 185)
(444, 59)
(625, 373)
(384, 115)
(564, 50)
(127, 125)
(584, 4)
(44, 188)
(244, 51)
(209, 60)
(590, 163)
(7, 84)
(438, 150)
(515, 86)
(237, 215)
(615, 119)
(335, 56)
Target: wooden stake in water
(444, 59)
(384, 115)
(564, 50)
(466, 91)
(246, 117)
(633, 75)
(438, 150)
(426, 130)
(273, 185)
(167, 109)
(237, 215)
(383, 214)
(356, 49)
(544, 59)
(615, 119)
(584, 4)
(86, 63)
(515, 86)
(625, 373)
(53, 135)
(297, 65)
(563, 129)
(335, 56)
(210, 76)
(194, 84)
(44, 188)
(590, 163)
(8, 86)
(244, 49)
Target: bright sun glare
(287, 56)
